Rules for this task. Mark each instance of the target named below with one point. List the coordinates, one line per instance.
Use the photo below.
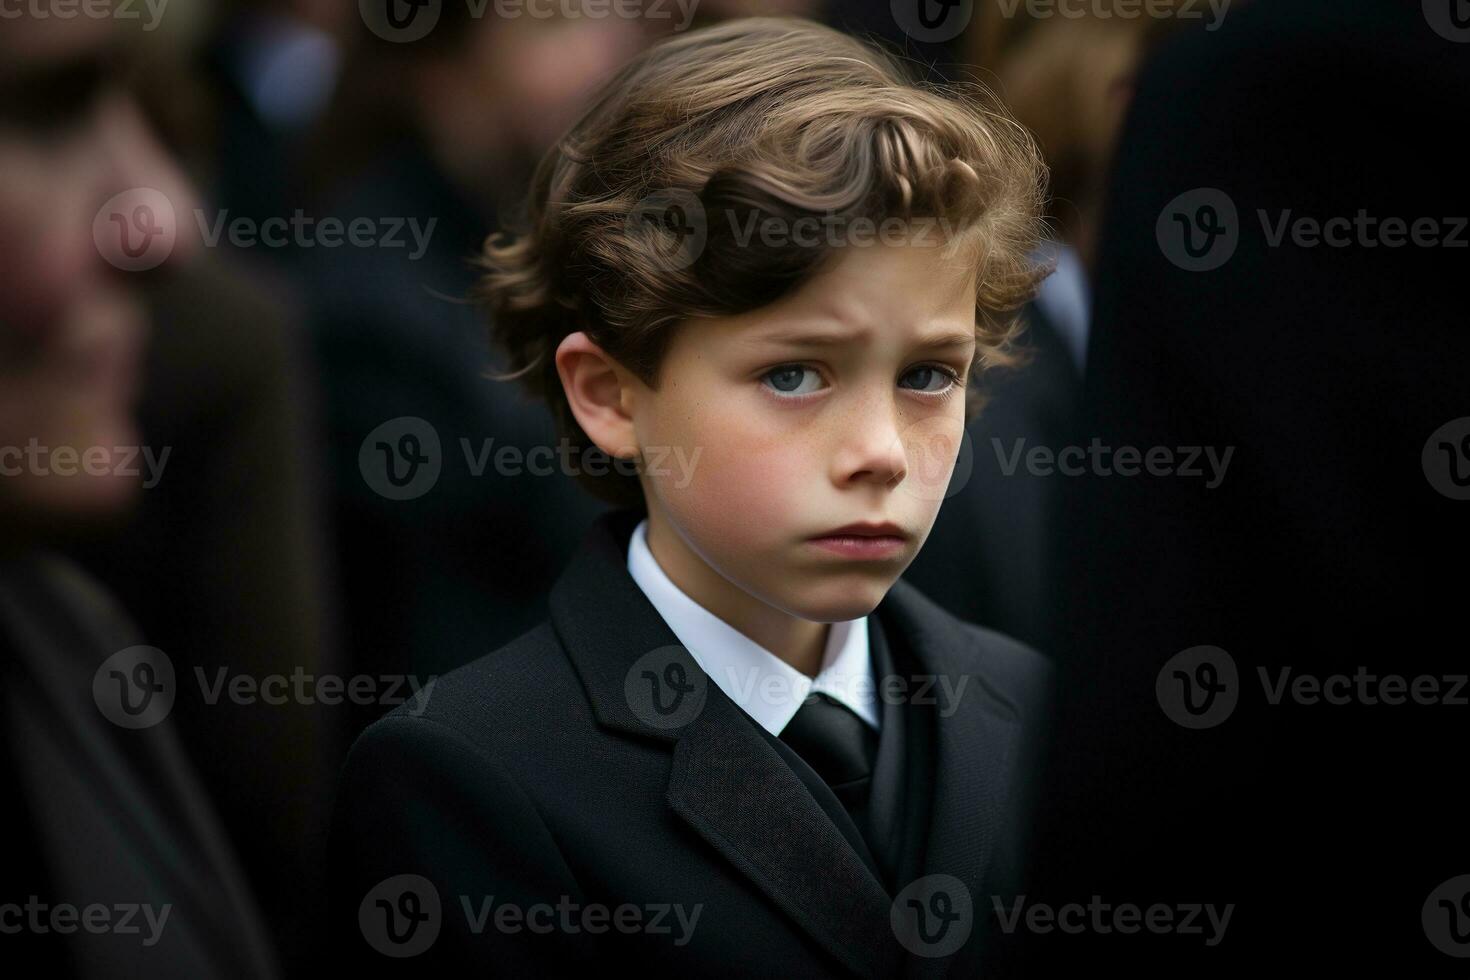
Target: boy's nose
(872, 451)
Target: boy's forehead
(849, 321)
(882, 287)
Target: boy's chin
(838, 602)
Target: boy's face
(842, 403)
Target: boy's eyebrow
(832, 338)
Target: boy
(758, 274)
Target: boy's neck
(799, 642)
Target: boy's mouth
(864, 540)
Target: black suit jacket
(545, 773)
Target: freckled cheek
(746, 483)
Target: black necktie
(840, 747)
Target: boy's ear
(598, 390)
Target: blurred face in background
(72, 324)
(516, 83)
(1069, 81)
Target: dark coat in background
(1327, 548)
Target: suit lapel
(975, 735)
(727, 782)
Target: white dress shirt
(768, 688)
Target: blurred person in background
(433, 137)
(268, 70)
(104, 809)
(1279, 279)
(221, 561)
(1067, 79)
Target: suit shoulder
(528, 685)
(1016, 671)
(1021, 672)
(1007, 653)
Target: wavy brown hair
(753, 119)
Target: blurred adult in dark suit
(117, 863)
(1326, 361)
(430, 137)
(221, 565)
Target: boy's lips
(864, 540)
(866, 529)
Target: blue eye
(791, 379)
(928, 374)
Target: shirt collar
(761, 683)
